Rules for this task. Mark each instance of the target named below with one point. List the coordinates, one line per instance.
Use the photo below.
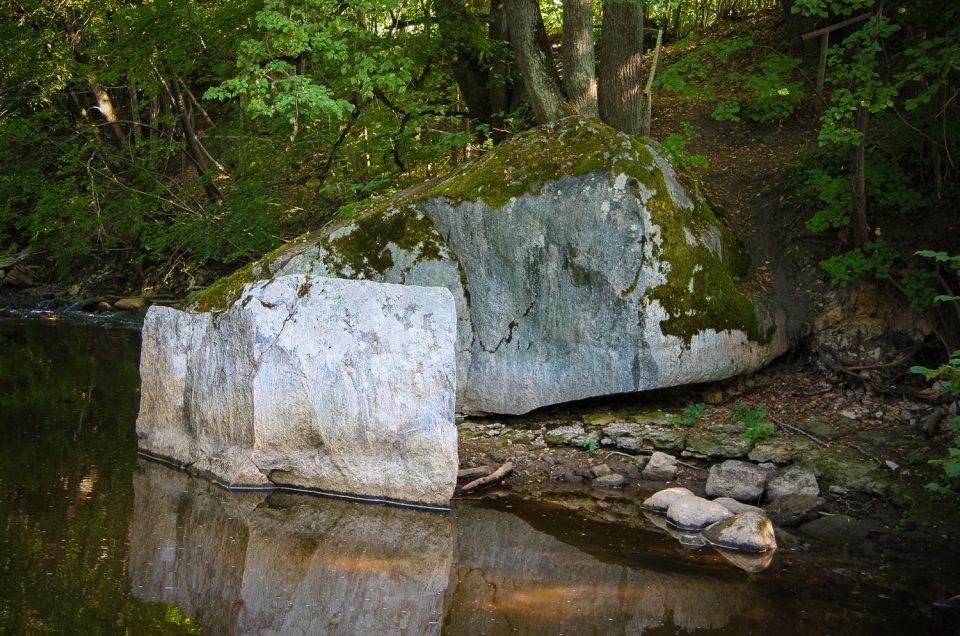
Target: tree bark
(861, 228)
(105, 106)
(621, 77)
(472, 77)
(579, 67)
(540, 78)
(500, 87)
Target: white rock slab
(336, 385)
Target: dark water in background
(94, 540)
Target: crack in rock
(513, 325)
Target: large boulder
(579, 264)
(342, 386)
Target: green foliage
(875, 256)
(690, 416)
(947, 376)
(770, 89)
(674, 148)
(757, 426)
(590, 445)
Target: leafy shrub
(875, 256)
(690, 416)
(674, 147)
(757, 426)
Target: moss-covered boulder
(580, 265)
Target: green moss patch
(572, 146)
(700, 292)
(365, 253)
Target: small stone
(613, 480)
(713, 396)
(131, 304)
(606, 441)
(836, 529)
(661, 500)
(849, 414)
(601, 470)
(793, 480)
(737, 507)
(793, 510)
(838, 490)
(563, 435)
(661, 467)
(738, 480)
(746, 532)
(642, 461)
(694, 513)
(894, 466)
(493, 433)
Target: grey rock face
(694, 513)
(661, 500)
(793, 480)
(344, 386)
(748, 532)
(661, 467)
(738, 480)
(737, 507)
(587, 279)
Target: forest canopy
(169, 140)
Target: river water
(95, 540)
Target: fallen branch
(860, 450)
(691, 466)
(496, 476)
(790, 427)
(473, 473)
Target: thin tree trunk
(499, 79)
(861, 228)
(105, 106)
(579, 67)
(621, 76)
(540, 78)
(134, 107)
(192, 147)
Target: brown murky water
(95, 540)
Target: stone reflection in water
(241, 563)
(245, 563)
(512, 578)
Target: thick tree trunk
(621, 77)
(471, 75)
(579, 67)
(540, 78)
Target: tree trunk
(621, 77)
(105, 106)
(579, 68)
(500, 85)
(861, 228)
(472, 77)
(540, 78)
(193, 149)
(134, 107)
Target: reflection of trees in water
(68, 401)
